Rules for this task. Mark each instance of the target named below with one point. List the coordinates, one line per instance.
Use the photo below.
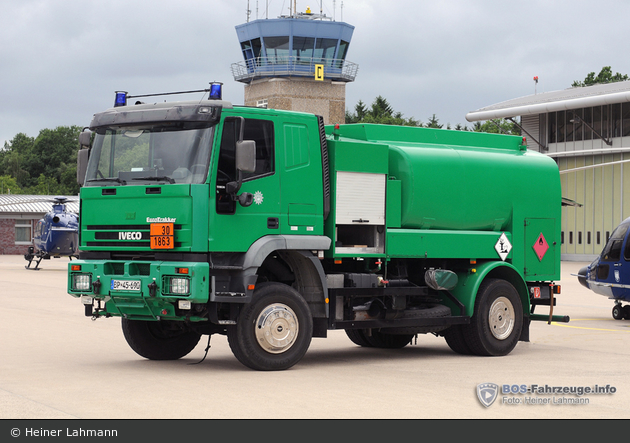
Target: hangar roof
(572, 98)
(32, 206)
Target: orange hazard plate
(162, 236)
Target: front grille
(117, 236)
(114, 268)
(139, 269)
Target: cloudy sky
(62, 60)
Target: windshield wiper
(111, 179)
(158, 179)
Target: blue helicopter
(609, 274)
(55, 235)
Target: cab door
(234, 227)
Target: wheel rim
(501, 318)
(277, 328)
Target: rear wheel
(159, 340)
(496, 325)
(274, 331)
(357, 336)
(456, 341)
(379, 339)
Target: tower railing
(293, 66)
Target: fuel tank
(461, 180)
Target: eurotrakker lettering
(161, 220)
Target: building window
(23, 234)
(277, 49)
(597, 121)
(262, 103)
(561, 127)
(625, 111)
(588, 119)
(552, 127)
(607, 121)
(616, 120)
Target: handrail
(289, 66)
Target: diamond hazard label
(540, 246)
(503, 246)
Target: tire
(626, 312)
(159, 340)
(357, 337)
(379, 339)
(455, 340)
(617, 312)
(496, 324)
(432, 311)
(274, 331)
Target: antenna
(248, 11)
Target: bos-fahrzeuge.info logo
(513, 394)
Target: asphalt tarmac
(55, 363)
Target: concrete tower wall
(326, 98)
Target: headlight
(82, 282)
(176, 286)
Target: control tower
(296, 62)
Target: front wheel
(496, 324)
(617, 312)
(274, 331)
(159, 340)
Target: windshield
(140, 155)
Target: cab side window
(261, 132)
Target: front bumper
(141, 289)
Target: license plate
(125, 285)
(162, 235)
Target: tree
(380, 112)
(45, 164)
(497, 126)
(8, 185)
(604, 76)
(51, 149)
(434, 122)
(13, 158)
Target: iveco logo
(130, 236)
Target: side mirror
(84, 138)
(82, 161)
(246, 155)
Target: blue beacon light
(121, 99)
(215, 91)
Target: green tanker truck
(201, 218)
